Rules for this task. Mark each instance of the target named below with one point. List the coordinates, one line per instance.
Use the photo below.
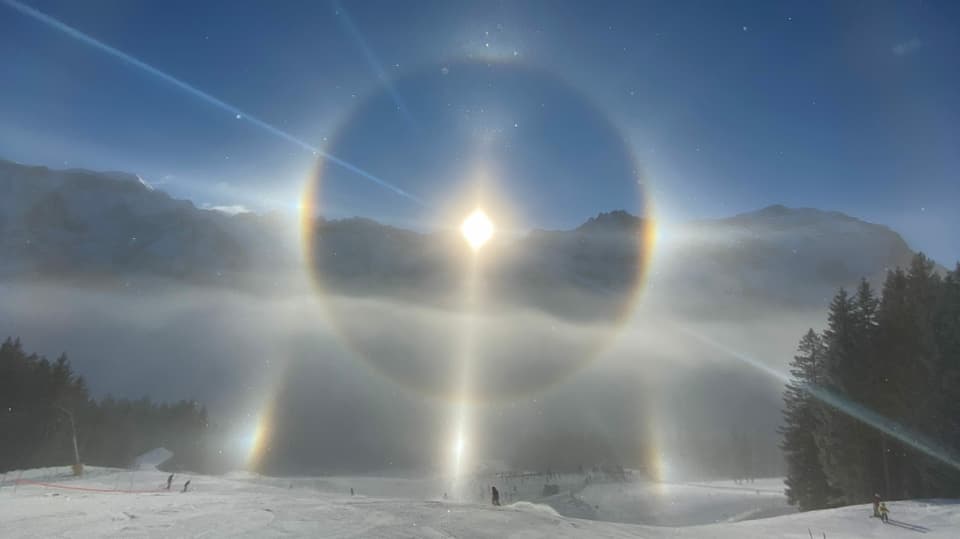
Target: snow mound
(152, 459)
(531, 507)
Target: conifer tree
(807, 485)
(41, 402)
(839, 437)
(947, 335)
(898, 358)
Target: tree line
(873, 404)
(43, 402)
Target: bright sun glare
(477, 229)
(458, 447)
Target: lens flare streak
(232, 110)
(351, 29)
(843, 405)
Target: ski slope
(686, 504)
(50, 503)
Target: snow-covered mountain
(77, 224)
(776, 256)
(113, 228)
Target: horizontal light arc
(116, 53)
(843, 405)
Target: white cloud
(907, 47)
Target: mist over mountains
(113, 229)
(153, 295)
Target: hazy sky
(722, 107)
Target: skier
(186, 485)
(884, 512)
(169, 481)
(876, 505)
(496, 495)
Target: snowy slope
(247, 506)
(671, 504)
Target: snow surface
(677, 504)
(246, 505)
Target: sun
(477, 229)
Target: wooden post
(17, 482)
(77, 466)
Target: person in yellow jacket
(884, 512)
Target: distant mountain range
(112, 229)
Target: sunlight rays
(234, 111)
(842, 404)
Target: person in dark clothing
(876, 505)
(496, 495)
(169, 481)
(186, 485)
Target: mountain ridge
(77, 225)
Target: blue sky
(714, 107)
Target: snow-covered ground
(245, 505)
(674, 504)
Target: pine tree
(39, 397)
(910, 391)
(865, 306)
(841, 439)
(807, 485)
(863, 390)
(930, 386)
(947, 335)
(899, 358)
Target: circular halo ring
(311, 206)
